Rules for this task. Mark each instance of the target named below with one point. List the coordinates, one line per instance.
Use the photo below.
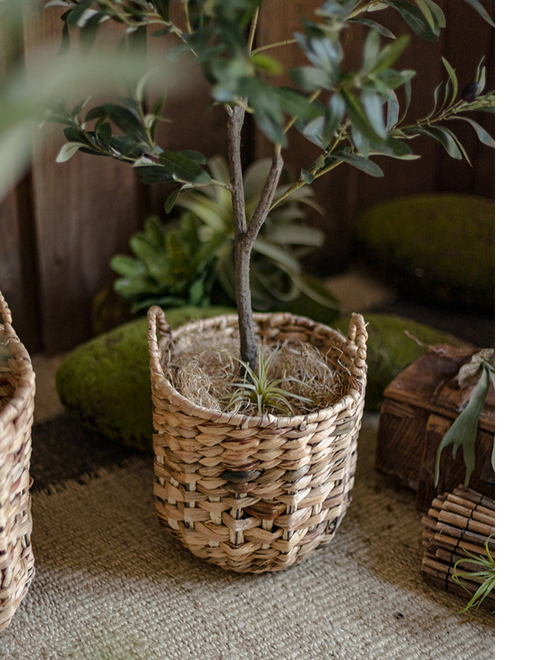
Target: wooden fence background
(60, 226)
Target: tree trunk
(245, 234)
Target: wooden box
(418, 409)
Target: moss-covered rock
(440, 247)
(390, 350)
(106, 380)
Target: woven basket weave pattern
(17, 388)
(256, 493)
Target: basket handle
(155, 315)
(6, 317)
(356, 345)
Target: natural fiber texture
(205, 370)
(256, 493)
(459, 525)
(17, 388)
(111, 585)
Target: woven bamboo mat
(112, 585)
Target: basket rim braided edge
(357, 330)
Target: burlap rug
(111, 584)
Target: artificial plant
(352, 116)
(27, 85)
(479, 372)
(189, 260)
(485, 575)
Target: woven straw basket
(256, 493)
(17, 388)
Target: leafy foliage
(178, 264)
(276, 277)
(352, 116)
(361, 117)
(171, 267)
(452, 108)
(29, 89)
(463, 432)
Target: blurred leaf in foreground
(29, 90)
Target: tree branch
(277, 44)
(266, 198)
(253, 29)
(244, 234)
(242, 244)
(236, 116)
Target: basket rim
(347, 401)
(25, 388)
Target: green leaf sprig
(451, 107)
(359, 121)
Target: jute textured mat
(112, 585)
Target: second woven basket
(256, 493)
(17, 388)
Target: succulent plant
(276, 277)
(171, 266)
(179, 263)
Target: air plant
(486, 576)
(259, 391)
(463, 431)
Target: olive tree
(352, 116)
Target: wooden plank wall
(18, 280)
(84, 210)
(63, 223)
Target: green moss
(440, 246)
(389, 350)
(106, 380)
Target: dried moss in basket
(300, 378)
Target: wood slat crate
(419, 407)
